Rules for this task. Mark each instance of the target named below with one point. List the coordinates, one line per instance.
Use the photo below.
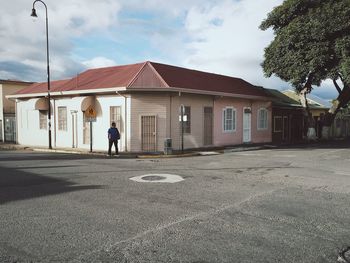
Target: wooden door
(208, 126)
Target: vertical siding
(143, 105)
(147, 78)
(197, 104)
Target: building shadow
(19, 156)
(18, 185)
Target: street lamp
(48, 65)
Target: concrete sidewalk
(187, 153)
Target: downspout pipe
(125, 120)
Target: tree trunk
(310, 122)
(327, 123)
(340, 102)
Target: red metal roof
(42, 87)
(110, 77)
(174, 77)
(193, 79)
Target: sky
(218, 36)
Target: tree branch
(308, 83)
(336, 86)
(341, 77)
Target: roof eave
(68, 92)
(202, 92)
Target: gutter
(119, 89)
(69, 92)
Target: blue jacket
(113, 134)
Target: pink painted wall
(236, 137)
(261, 136)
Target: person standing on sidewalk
(113, 137)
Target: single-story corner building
(144, 100)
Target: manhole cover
(153, 178)
(157, 178)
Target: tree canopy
(311, 44)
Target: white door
(247, 124)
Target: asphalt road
(276, 205)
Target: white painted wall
(28, 128)
(29, 132)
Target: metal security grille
(10, 129)
(208, 125)
(148, 133)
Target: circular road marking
(157, 178)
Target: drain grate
(344, 256)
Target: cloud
(220, 36)
(99, 62)
(23, 42)
(226, 38)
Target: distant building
(145, 101)
(318, 108)
(287, 118)
(8, 109)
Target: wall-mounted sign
(90, 114)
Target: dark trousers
(111, 142)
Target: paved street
(274, 205)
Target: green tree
(311, 44)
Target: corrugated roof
(313, 100)
(42, 87)
(14, 82)
(281, 99)
(110, 77)
(175, 77)
(193, 79)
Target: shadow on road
(326, 145)
(19, 156)
(19, 185)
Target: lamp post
(48, 65)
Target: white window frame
(62, 118)
(115, 115)
(43, 119)
(265, 123)
(234, 119)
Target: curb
(135, 155)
